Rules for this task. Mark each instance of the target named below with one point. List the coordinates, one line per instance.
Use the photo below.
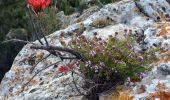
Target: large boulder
(18, 33)
(140, 17)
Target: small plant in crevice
(108, 62)
(101, 22)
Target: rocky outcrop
(19, 33)
(147, 18)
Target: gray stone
(49, 84)
(164, 69)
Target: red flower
(71, 66)
(63, 69)
(38, 5)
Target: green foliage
(69, 6)
(12, 15)
(108, 1)
(49, 20)
(109, 62)
(101, 22)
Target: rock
(138, 18)
(19, 33)
(164, 69)
(168, 1)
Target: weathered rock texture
(148, 16)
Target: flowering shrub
(106, 63)
(109, 62)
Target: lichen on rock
(139, 17)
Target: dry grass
(101, 22)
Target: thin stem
(78, 90)
(41, 31)
(33, 25)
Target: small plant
(101, 22)
(50, 20)
(108, 62)
(81, 29)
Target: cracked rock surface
(147, 17)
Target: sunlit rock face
(147, 18)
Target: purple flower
(88, 63)
(98, 49)
(101, 42)
(140, 58)
(93, 53)
(130, 31)
(83, 37)
(99, 39)
(125, 30)
(101, 63)
(116, 49)
(141, 75)
(92, 43)
(118, 61)
(78, 35)
(128, 81)
(96, 68)
(131, 55)
(95, 33)
(77, 63)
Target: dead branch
(78, 90)
(33, 24)
(50, 47)
(17, 40)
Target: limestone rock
(19, 33)
(139, 18)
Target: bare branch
(17, 40)
(42, 32)
(78, 90)
(48, 48)
(33, 25)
